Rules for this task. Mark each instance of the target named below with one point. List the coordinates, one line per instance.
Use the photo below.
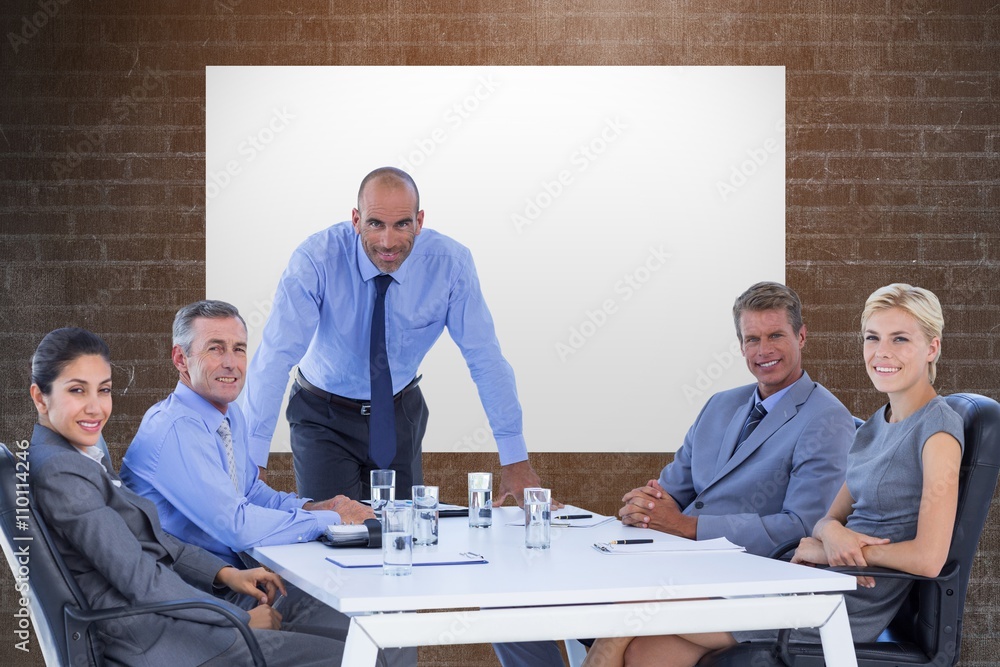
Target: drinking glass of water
(383, 489)
(425, 514)
(537, 518)
(480, 499)
(397, 539)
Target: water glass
(383, 483)
(480, 499)
(537, 518)
(425, 514)
(397, 539)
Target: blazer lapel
(771, 423)
(729, 439)
(786, 408)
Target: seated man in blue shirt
(762, 462)
(190, 457)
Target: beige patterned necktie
(227, 440)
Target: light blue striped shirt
(178, 461)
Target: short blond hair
(921, 303)
(765, 296)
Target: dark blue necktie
(382, 421)
(756, 415)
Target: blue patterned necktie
(756, 415)
(382, 421)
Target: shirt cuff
(325, 518)
(260, 448)
(512, 449)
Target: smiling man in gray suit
(762, 462)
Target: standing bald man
(359, 306)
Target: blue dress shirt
(321, 320)
(178, 461)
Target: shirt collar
(773, 399)
(95, 454)
(191, 400)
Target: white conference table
(569, 590)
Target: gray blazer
(782, 479)
(113, 544)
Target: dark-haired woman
(112, 541)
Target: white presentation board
(614, 214)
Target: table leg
(360, 648)
(838, 644)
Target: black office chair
(59, 612)
(927, 630)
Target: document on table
(669, 546)
(573, 517)
(369, 559)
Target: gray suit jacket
(113, 544)
(781, 480)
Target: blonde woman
(897, 507)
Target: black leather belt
(363, 407)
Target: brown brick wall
(892, 173)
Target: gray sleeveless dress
(885, 478)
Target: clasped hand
(838, 545)
(262, 585)
(652, 507)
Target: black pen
(631, 542)
(575, 516)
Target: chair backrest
(34, 560)
(933, 614)
(978, 481)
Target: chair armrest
(887, 573)
(784, 548)
(78, 621)
(949, 572)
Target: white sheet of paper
(669, 546)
